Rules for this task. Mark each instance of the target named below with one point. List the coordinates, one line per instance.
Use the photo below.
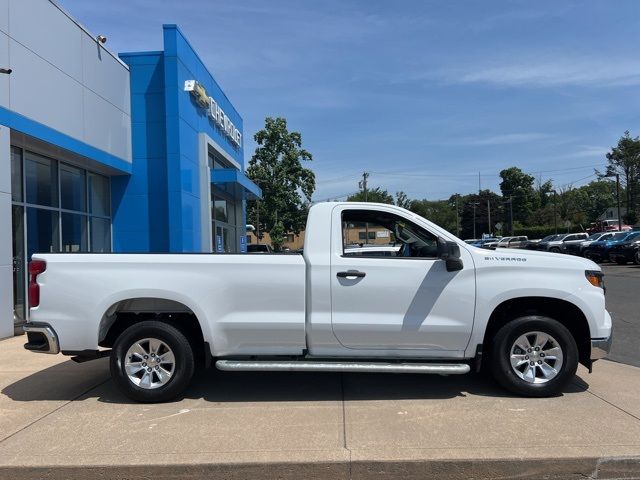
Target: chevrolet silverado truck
(430, 304)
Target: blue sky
(423, 94)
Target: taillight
(36, 267)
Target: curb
(522, 469)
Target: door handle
(350, 273)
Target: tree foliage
(624, 160)
(375, 195)
(518, 186)
(287, 186)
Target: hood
(537, 256)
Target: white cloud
(558, 72)
(505, 139)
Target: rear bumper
(41, 338)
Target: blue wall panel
(158, 207)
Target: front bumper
(600, 347)
(41, 338)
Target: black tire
(183, 367)
(554, 250)
(505, 338)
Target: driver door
(389, 291)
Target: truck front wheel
(152, 361)
(534, 356)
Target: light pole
(510, 202)
(617, 175)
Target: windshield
(595, 236)
(548, 238)
(633, 235)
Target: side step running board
(329, 366)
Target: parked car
(626, 251)
(572, 240)
(487, 242)
(598, 251)
(512, 242)
(555, 244)
(438, 306)
(533, 244)
(578, 248)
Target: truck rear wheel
(152, 361)
(534, 356)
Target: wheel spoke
(154, 345)
(547, 370)
(163, 375)
(530, 374)
(145, 381)
(518, 359)
(137, 350)
(541, 339)
(552, 353)
(133, 368)
(168, 357)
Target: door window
(369, 233)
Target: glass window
(74, 233)
(222, 240)
(16, 174)
(220, 210)
(42, 231)
(100, 235)
(390, 236)
(41, 180)
(19, 300)
(72, 188)
(99, 198)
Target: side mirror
(450, 253)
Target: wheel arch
(564, 311)
(131, 310)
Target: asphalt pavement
(623, 302)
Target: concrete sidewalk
(61, 420)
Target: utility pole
(479, 184)
(618, 199)
(555, 211)
(511, 214)
(489, 217)
(457, 218)
(474, 204)
(363, 185)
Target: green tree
(624, 160)
(287, 186)
(402, 200)
(376, 195)
(519, 185)
(440, 212)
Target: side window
(369, 233)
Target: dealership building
(136, 152)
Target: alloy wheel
(149, 363)
(536, 357)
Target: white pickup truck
(429, 304)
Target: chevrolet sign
(214, 112)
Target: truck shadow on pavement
(70, 381)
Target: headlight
(595, 278)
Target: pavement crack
(614, 405)
(54, 410)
